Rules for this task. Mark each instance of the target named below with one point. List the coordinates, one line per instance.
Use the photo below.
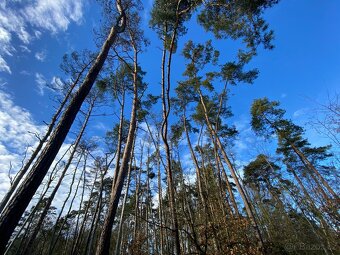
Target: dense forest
(165, 179)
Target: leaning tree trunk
(17, 205)
(54, 234)
(120, 228)
(35, 153)
(76, 247)
(29, 246)
(105, 237)
(310, 166)
(28, 221)
(249, 211)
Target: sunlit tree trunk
(29, 246)
(55, 238)
(310, 166)
(121, 221)
(63, 206)
(235, 178)
(137, 213)
(104, 241)
(76, 249)
(36, 151)
(19, 202)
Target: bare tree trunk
(29, 246)
(76, 249)
(120, 137)
(94, 223)
(64, 204)
(230, 190)
(137, 206)
(223, 195)
(19, 202)
(29, 219)
(235, 178)
(164, 132)
(54, 242)
(193, 157)
(104, 241)
(80, 204)
(120, 228)
(35, 153)
(310, 166)
(160, 201)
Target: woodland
(138, 196)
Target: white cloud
(41, 82)
(26, 19)
(241, 145)
(41, 55)
(300, 112)
(4, 66)
(24, 72)
(37, 34)
(54, 15)
(101, 126)
(5, 36)
(57, 83)
(241, 123)
(17, 130)
(24, 48)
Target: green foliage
(233, 73)
(169, 15)
(264, 115)
(176, 133)
(112, 137)
(260, 170)
(238, 19)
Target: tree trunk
(235, 178)
(137, 206)
(76, 249)
(30, 217)
(120, 228)
(92, 232)
(193, 157)
(105, 237)
(164, 132)
(63, 206)
(310, 166)
(29, 245)
(160, 201)
(35, 153)
(17, 205)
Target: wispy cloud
(55, 84)
(25, 72)
(27, 20)
(16, 136)
(4, 66)
(41, 55)
(24, 48)
(41, 82)
(300, 112)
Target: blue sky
(302, 69)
